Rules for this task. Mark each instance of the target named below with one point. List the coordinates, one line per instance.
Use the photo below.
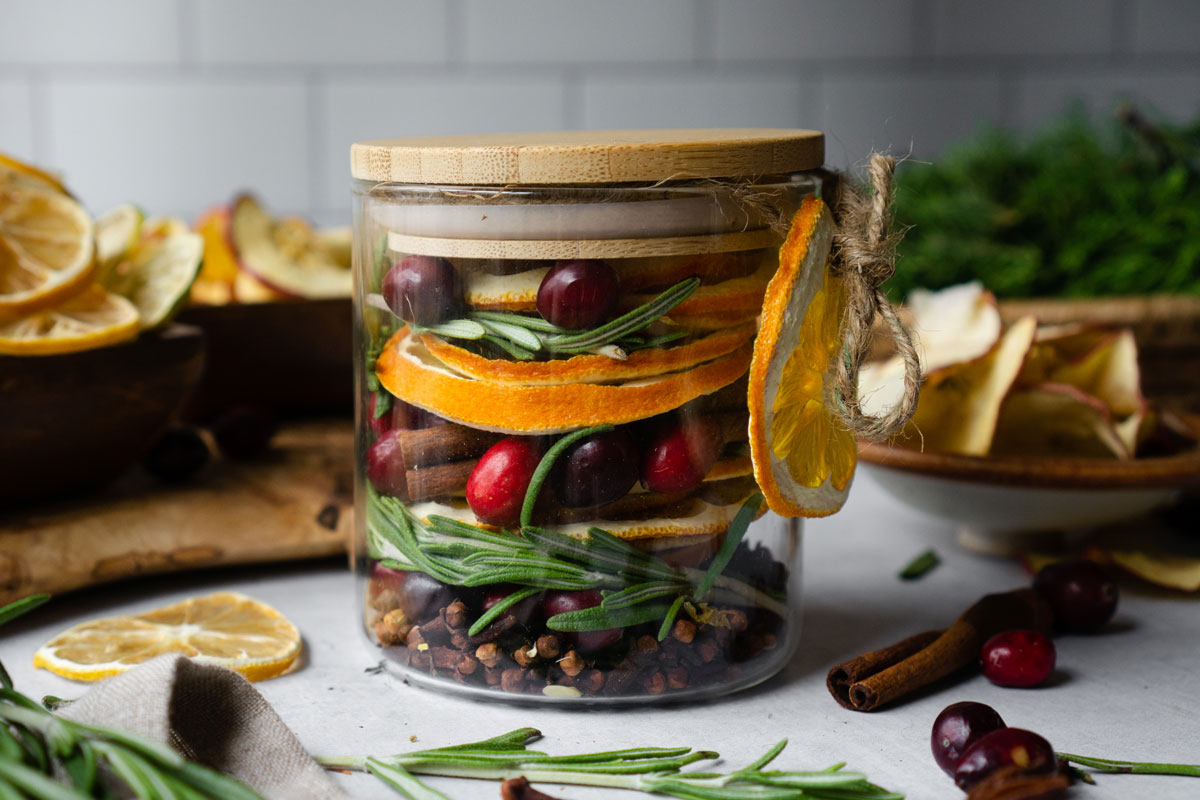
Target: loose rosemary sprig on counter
(1114, 767)
(47, 757)
(653, 770)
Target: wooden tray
(295, 503)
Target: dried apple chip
(1056, 420)
(955, 324)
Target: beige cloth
(214, 716)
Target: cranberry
(680, 455)
(244, 432)
(565, 602)
(421, 597)
(379, 425)
(578, 294)
(1007, 747)
(424, 290)
(1017, 658)
(1082, 595)
(525, 612)
(597, 469)
(496, 487)
(958, 727)
(177, 455)
(385, 465)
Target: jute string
(864, 256)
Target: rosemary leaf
(599, 618)
(493, 613)
(1133, 767)
(737, 531)
(639, 593)
(546, 464)
(402, 781)
(383, 404)
(664, 630)
(532, 323)
(517, 334)
(514, 350)
(454, 329)
(23, 606)
(626, 324)
(920, 566)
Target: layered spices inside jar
(556, 496)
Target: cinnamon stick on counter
(875, 679)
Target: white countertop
(1132, 693)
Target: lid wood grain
(588, 157)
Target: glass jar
(555, 499)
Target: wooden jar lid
(588, 157)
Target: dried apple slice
(955, 324)
(960, 403)
(1056, 420)
(284, 254)
(1155, 556)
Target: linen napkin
(211, 715)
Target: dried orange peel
(225, 628)
(409, 371)
(590, 368)
(727, 299)
(803, 458)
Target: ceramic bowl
(1006, 504)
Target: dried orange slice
(590, 368)
(14, 172)
(731, 298)
(803, 459)
(48, 251)
(93, 318)
(408, 370)
(225, 628)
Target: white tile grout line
(40, 122)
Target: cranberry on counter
(564, 602)
(597, 469)
(680, 454)
(1017, 658)
(1007, 747)
(578, 294)
(496, 487)
(958, 727)
(423, 290)
(1082, 595)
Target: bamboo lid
(588, 157)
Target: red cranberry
(597, 469)
(379, 425)
(1007, 747)
(385, 465)
(958, 727)
(177, 455)
(496, 487)
(525, 612)
(578, 294)
(680, 455)
(385, 578)
(1082, 595)
(1017, 658)
(244, 432)
(424, 290)
(565, 602)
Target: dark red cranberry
(411, 418)
(958, 727)
(177, 455)
(1082, 595)
(1017, 658)
(578, 294)
(244, 432)
(526, 612)
(381, 424)
(385, 465)
(1007, 747)
(496, 487)
(421, 597)
(424, 290)
(680, 454)
(565, 602)
(597, 469)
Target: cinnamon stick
(438, 481)
(875, 679)
(443, 444)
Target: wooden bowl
(74, 421)
(288, 358)
(1005, 503)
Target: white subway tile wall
(178, 104)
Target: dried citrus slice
(730, 299)
(93, 318)
(284, 254)
(158, 276)
(225, 628)
(116, 234)
(803, 459)
(590, 368)
(14, 172)
(49, 249)
(408, 370)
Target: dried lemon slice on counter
(93, 318)
(803, 458)
(48, 249)
(226, 628)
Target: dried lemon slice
(225, 628)
(14, 172)
(158, 276)
(49, 249)
(93, 318)
(803, 459)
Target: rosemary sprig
(920, 566)
(47, 757)
(1114, 767)
(653, 770)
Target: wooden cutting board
(296, 502)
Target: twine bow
(864, 256)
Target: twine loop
(864, 256)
